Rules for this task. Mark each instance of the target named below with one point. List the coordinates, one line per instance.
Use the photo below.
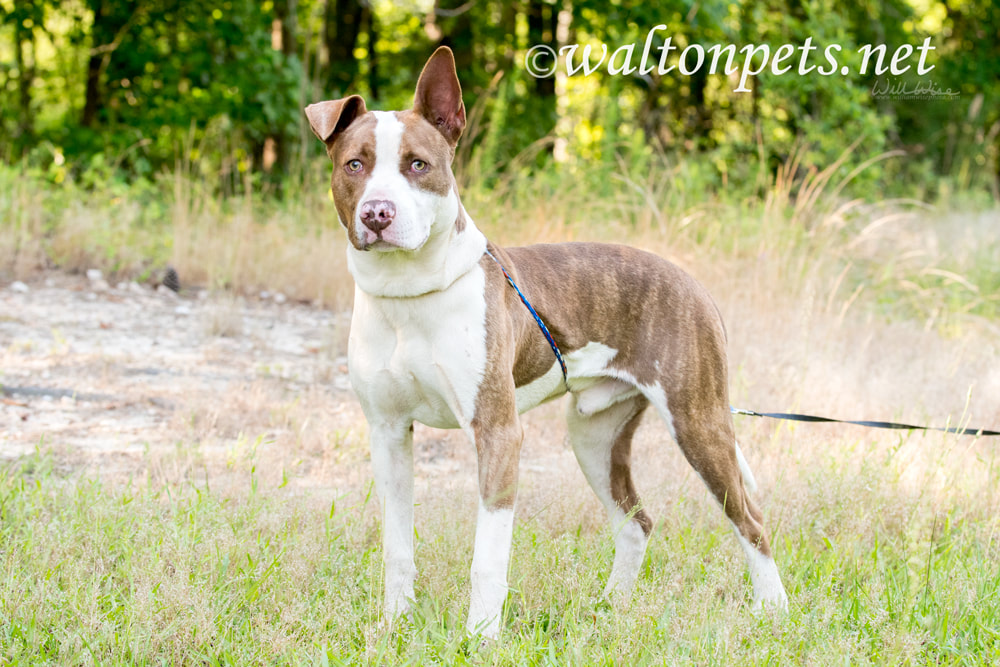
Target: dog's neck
(446, 256)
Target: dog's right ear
(329, 119)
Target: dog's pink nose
(377, 214)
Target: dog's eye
(354, 166)
(418, 165)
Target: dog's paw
(775, 601)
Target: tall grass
(247, 241)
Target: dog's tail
(748, 479)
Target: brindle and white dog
(439, 337)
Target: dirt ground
(127, 382)
(130, 383)
(109, 374)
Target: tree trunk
(371, 27)
(106, 34)
(93, 102)
(283, 39)
(341, 27)
(508, 19)
(24, 39)
(542, 21)
(454, 17)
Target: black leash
(871, 424)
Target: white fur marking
(588, 373)
(658, 398)
(392, 463)
(603, 395)
(592, 437)
(767, 588)
(748, 479)
(412, 223)
(590, 361)
(494, 531)
(540, 389)
(422, 358)
(630, 550)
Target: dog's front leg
(498, 448)
(392, 463)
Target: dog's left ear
(329, 119)
(439, 95)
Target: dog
(439, 336)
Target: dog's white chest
(421, 358)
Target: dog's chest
(420, 358)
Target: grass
(887, 542)
(879, 572)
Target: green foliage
(220, 86)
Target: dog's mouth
(375, 241)
(381, 241)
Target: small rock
(265, 295)
(136, 288)
(182, 310)
(19, 287)
(93, 275)
(100, 285)
(122, 286)
(280, 298)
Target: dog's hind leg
(602, 442)
(706, 437)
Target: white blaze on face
(416, 209)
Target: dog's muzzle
(377, 214)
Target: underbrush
(904, 257)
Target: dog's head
(392, 180)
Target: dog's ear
(439, 95)
(329, 119)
